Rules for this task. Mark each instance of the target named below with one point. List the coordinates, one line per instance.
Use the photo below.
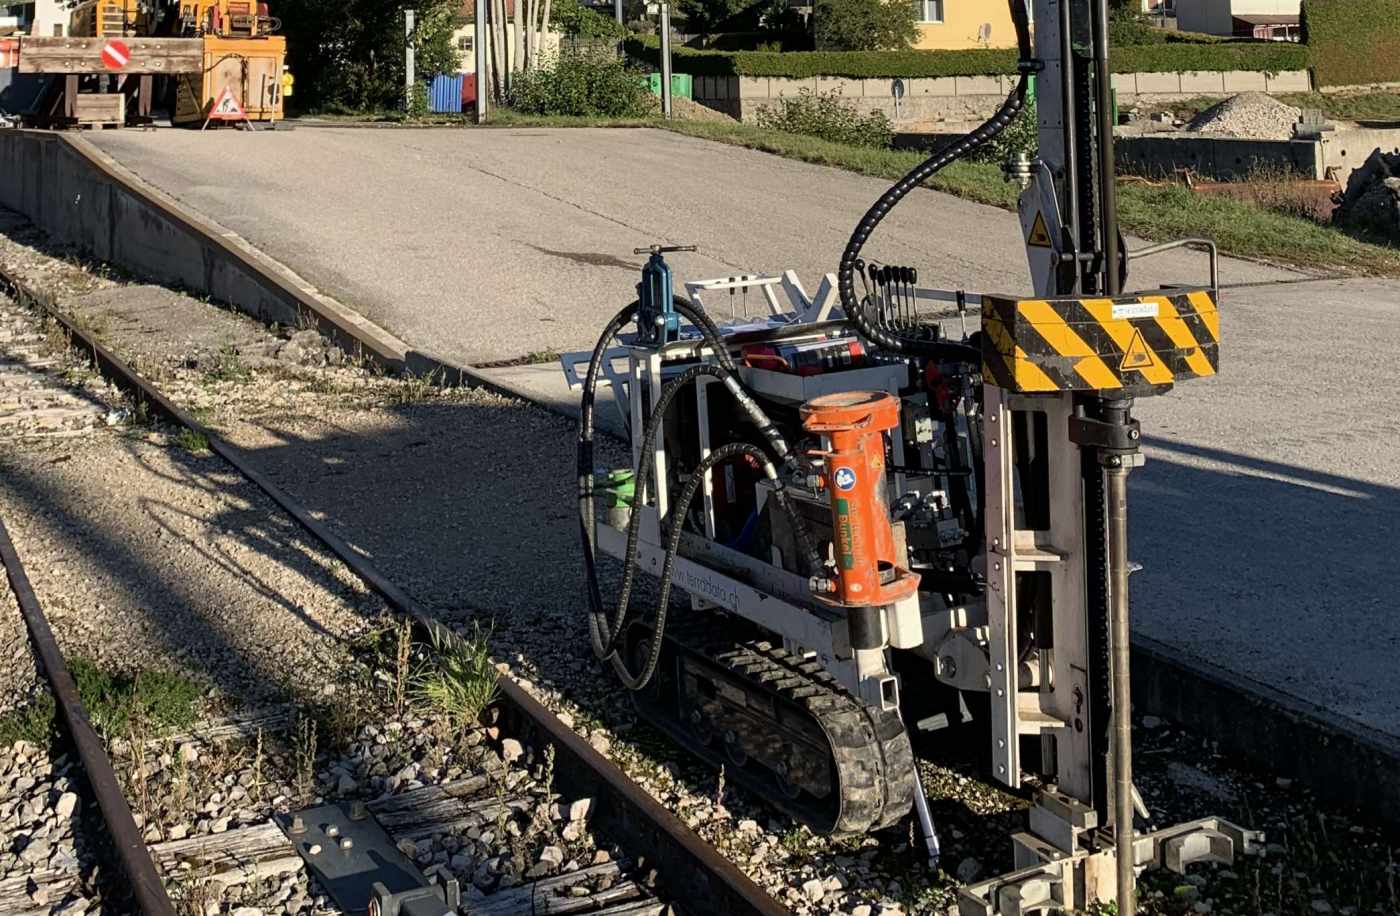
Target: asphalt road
(1265, 517)
(486, 245)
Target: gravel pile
(44, 859)
(1249, 115)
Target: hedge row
(1353, 41)
(1164, 58)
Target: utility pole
(666, 60)
(480, 37)
(617, 11)
(408, 75)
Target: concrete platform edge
(80, 196)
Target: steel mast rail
(146, 884)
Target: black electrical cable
(846, 271)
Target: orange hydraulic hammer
(868, 576)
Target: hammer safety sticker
(1137, 356)
(1040, 236)
(845, 478)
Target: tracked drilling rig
(890, 515)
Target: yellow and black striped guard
(1149, 340)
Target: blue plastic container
(445, 94)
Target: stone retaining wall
(968, 98)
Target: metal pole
(617, 11)
(408, 75)
(666, 60)
(146, 885)
(480, 37)
(1108, 196)
(1117, 475)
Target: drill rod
(1117, 475)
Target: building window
(464, 44)
(928, 10)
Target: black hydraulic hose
(599, 631)
(846, 271)
(604, 632)
(673, 546)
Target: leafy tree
(350, 53)
(701, 16)
(864, 25)
(576, 20)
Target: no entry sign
(115, 54)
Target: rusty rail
(135, 859)
(690, 868)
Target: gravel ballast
(465, 499)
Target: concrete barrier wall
(1217, 157)
(82, 198)
(964, 98)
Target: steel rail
(146, 884)
(691, 869)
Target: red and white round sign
(115, 54)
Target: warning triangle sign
(1137, 356)
(1040, 236)
(226, 107)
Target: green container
(682, 85)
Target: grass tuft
(158, 699)
(191, 441)
(458, 680)
(33, 722)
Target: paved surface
(1265, 516)
(485, 245)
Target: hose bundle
(879, 333)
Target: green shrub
(827, 116)
(1020, 136)
(581, 85)
(156, 699)
(1130, 27)
(864, 25)
(1353, 41)
(574, 19)
(1172, 56)
(418, 101)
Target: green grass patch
(33, 722)
(1365, 106)
(1157, 213)
(191, 441)
(156, 700)
(458, 679)
(227, 366)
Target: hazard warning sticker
(1137, 356)
(1040, 236)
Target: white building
(38, 17)
(1271, 19)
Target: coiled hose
(846, 271)
(605, 630)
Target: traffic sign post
(227, 108)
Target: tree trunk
(501, 68)
(518, 39)
(544, 28)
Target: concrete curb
(128, 223)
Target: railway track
(1178, 770)
(438, 824)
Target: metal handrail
(1184, 243)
